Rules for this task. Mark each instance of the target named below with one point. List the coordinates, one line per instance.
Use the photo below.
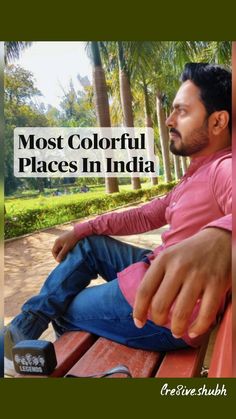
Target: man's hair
(215, 84)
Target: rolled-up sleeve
(134, 221)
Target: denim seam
(102, 318)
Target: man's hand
(63, 245)
(198, 267)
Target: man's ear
(218, 121)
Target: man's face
(188, 122)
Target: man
(168, 298)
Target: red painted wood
(105, 354)
(69, 348)
(221, 362)
(79, 354)
(183, 363)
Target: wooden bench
(83, 354)
(222, 357)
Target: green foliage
(68, 208)
(19, 85)
(21, 111)
(77, 107)
(154, 67)
(13, 49)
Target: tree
(101, 103)
(145, 63)
(126, 98)
(177, 167)
(19, 85)
(166, 63)
(13, 49)
(77, 107)
(184, 164)
(164, 137)
(19, 91)
(124, 62)
(148, 115)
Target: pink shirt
(203, 198)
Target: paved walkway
(28, 261)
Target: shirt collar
(196, 162)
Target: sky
(53, 64)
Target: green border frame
(183, 20)
(105, 20)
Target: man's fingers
(164, 297)
(183, 307)
(145, 293)
(62, 253)
(210, 305)
(56, 249)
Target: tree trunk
(148, 122)
(126, 102)
(40, 185)
(184, 164)
(164, 139)
(102, 105)
(177, 167)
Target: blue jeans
(102, 309)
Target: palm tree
(164, 136)
(217, 52)
(148, 112)
(177, 167)
(126, 98)
(101, 103)
(184, 164)
(13, 49)
(125, 65)
(152, 67)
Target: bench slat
(83, 354)
(183, 363)
(69, 348)
(221, 362)
(106, 354)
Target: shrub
(28, 220)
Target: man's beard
(194, 143)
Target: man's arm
(198, 267)
(138, 220)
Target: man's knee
(92, 246)
(96, 241)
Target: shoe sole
(9, 368)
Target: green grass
(16, 205)
(28, 215)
